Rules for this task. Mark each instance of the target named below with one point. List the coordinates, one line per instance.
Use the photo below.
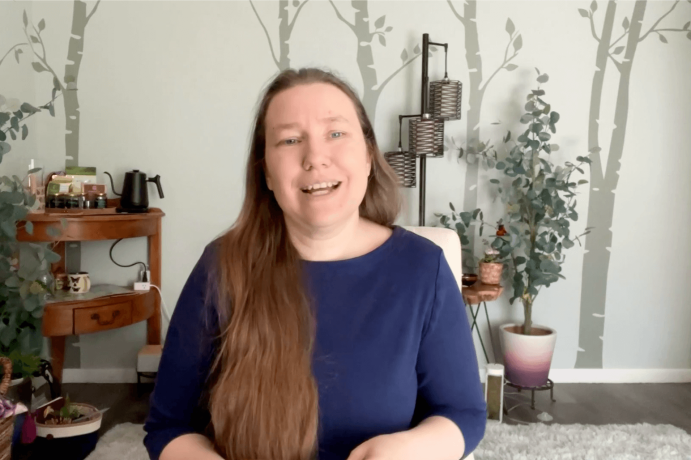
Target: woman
(348, 338)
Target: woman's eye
(340, 134)
(288, 141)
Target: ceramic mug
(79, 282)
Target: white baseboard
(616, 375)
(557, 375)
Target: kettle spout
(112, 185)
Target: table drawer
(95, 319)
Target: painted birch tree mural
(476, 92)
(604, 181)
(365, 34)
(285, 30)
(75, 52)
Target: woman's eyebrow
(323, 120)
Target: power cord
(164, 308)
(146, 268)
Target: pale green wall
(170, 88)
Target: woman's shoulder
(409, 246)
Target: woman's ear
(268, 181)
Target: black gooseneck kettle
(135, 196)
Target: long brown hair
(263, 399)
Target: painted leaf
(296, 3)
(26, 20)
(382, 40)
(518, 43)
(417, 49)
(662, 38)
(618, 50)
(42, 25)
(510, 28)
(389, 29)
(380, 22)
(510, 67)
(686, 26)
(583, 12)
(17, 52)
(625, 24)
(593, 6)
(34, 39)
(38, 67)
(543, 78)
(25, 131)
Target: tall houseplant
(23, 266)
(539, 201)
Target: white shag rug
(501, 442)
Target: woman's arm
(190, 446)
(177, 408)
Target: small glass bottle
(494, 391)
(101, 200)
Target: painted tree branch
(297, 12)
(266, 32)
(34, 113)
(617, 40)
(92, 11)
(338, 13)
(506, 61)
(10, 50)
(43, 59)
(658, 21)
(460, 18)
(379, 88)
(592, 27)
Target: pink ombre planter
(527, 358)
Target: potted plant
(539, 205)
(25, 278)
(491, 267)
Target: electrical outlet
(140, 286)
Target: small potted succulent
(491, 267)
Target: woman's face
(317, 162)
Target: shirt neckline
(368, 257)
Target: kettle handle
(157, 180)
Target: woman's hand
(395, 446)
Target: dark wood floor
(597, 404)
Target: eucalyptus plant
(539, 204)
(23, 266)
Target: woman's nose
(315, 155)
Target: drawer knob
(97, 317)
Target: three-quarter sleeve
(188, 352)
(447, 367)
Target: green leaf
(460, 228)
(28, 108)
(518, 43)
(583, 12)
(553, 117)
(14, 122)
(466, 217)
(494, 181)
(501, 165)
(29, 227)
(53, 232)
(582, 181)
(51, 256)
(538, 92)
(510, 28)
(567, 243)
(451, 206)
(526, 118)
(544, 136)
(25, 131)
(380, 22)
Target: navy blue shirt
(393, 347)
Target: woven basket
(6, 424)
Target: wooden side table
(478, 294)
(75, 316)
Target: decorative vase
(527, 358)
(490, 272)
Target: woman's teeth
(321, 188)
